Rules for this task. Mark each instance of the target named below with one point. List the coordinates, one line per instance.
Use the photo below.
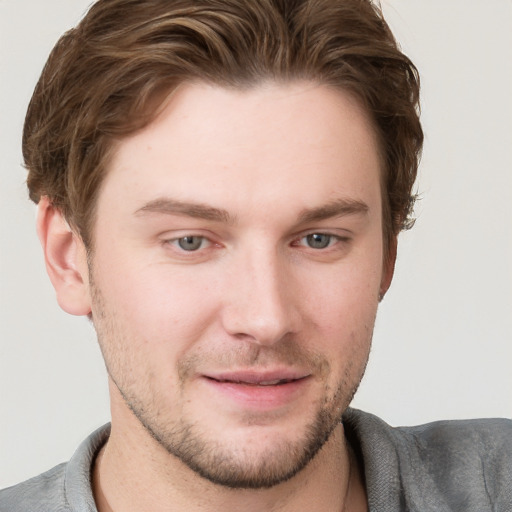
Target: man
(220, 188)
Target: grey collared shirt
(444, 466)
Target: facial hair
(220, 461)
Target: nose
(260, 301)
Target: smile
(275, 382)
(265, 390)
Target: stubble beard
(219, 462)
(235, 467)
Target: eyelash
(332, 240)
(177, 243)
(205, 242)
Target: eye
(319, 240)
(191, 243)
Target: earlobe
(65, 258)
(388, 268)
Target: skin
(277, 188)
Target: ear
(66, 259)
(388, 268)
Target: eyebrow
(196, 210)
(337, 208)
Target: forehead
(285, 143)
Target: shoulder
(470, 461)
(487, 438)
(65, 488)
(43, 493)
(466, 464)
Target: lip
(257, 377)
(260, 390)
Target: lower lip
(263, 397)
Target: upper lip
(258, 377)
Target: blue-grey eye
(190, 243)
(318, 240)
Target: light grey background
(443, 341)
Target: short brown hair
(102, 78)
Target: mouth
(275, 382)
(259, 389)
(258, 378)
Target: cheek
(158, 305)
(342, 314)
(345, 299)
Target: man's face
(236, 274)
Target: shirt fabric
(445, 466)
